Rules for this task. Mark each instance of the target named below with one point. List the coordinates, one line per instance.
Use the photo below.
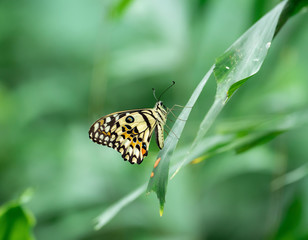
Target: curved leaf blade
(245, 57)
(113, 210)
(240, 61)
(160, 174)
(16, 221)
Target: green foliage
(250, 134)
(113, 210)
(158, 182)
(16, 222)
(292, 219)
(119, 8)
(66, 63)
(243, 59)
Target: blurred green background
(63, 64)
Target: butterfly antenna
(154, 94)
(173, 82)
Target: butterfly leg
(176, 116)
(179, 106)
(171, 131)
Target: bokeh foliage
(16, 222)
(65, 63)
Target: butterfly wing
(159, 132)
(128, 132)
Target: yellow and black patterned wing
(128, 132)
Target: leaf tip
(26, 196)
(161, 210)
(98, 224)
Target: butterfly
(129, 132)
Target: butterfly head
(159, 106)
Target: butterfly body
(130, 132)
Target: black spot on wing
(146, 120)
(128, 126)
(116, 138)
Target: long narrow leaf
(245, 57)
(213, 145)
(232, 69)
(109, 213)
(290, 177)
(160, 174)
(242, 60)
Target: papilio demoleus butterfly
(129, 132)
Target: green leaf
(160, 174)
(292, 7)
(290, 225)
(243, 59)
(290, 177)
(256, 130)
(16, 222)
(261, 133)
(109, 213)
(258, 140)
(119, 8)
